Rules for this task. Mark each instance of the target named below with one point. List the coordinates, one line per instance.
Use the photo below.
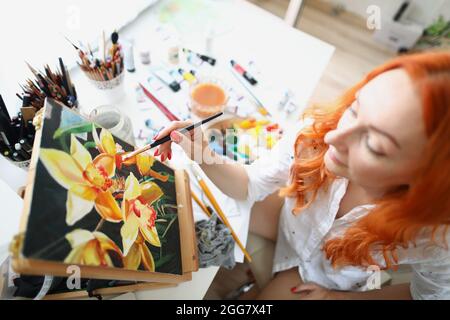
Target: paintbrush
(167, 138)
(65, 83)
(104, 46)
(201, 204)
(49, 84)
(159, 104)
(76, 48)
(261, 109)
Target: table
(285, 54)
(247, 33)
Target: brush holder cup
(113, 90)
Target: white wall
(34, 30)
(421, 11)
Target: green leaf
(80, 128)
(63, 143)
(170, 216)
(90, 145)
(163, 260)
(160, 228)
(438, 27)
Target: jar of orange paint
(208, 97)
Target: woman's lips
(335, 159)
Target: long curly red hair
(396, 219)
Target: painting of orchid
(91, 208)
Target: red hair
(397, 218)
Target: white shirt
(301, 237)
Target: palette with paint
(243, 139)
(122, 220)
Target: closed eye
(353, 112)
(372, 150)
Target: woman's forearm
(394, 292)
(230, 177)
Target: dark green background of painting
(46, 229)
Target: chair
(293, 12)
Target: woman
(365, 186)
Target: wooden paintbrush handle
(200, 203)
(223, 217)
(136, 152)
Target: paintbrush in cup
(167, 137)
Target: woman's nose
(339, 138)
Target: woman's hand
(192, 142)
(230, 177)
(312, 291)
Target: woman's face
(380, 138)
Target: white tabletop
(282, 58)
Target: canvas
(89, 208)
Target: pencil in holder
(106, 69)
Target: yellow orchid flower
(106, 145)
(91, 248)
(144, 162)
(87, 181)
(138, 214)
(139, 253)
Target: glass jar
(207, 97)
(111, 118)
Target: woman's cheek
(367, 172)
